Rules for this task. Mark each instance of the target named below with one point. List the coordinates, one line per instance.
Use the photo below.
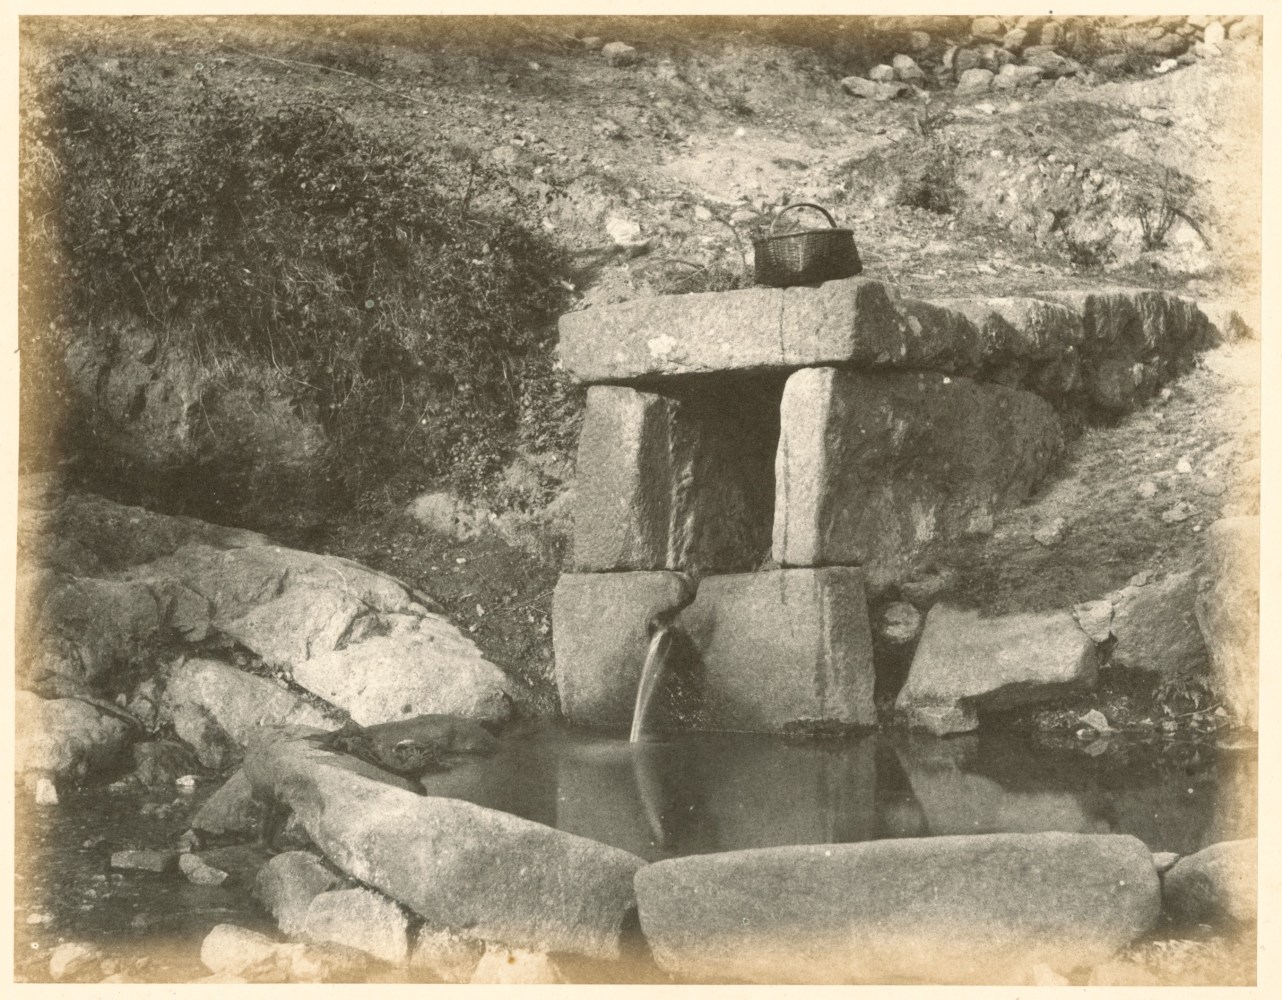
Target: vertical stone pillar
(626, 481)
(873, 467)
(674, 483)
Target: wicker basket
(807, 257)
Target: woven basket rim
(804, 232)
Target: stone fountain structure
(797, 449)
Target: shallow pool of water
(688, 794)
(699, 793)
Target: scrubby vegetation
(404, 295)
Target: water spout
(661, 630)
(656, 658)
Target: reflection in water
(698, 793)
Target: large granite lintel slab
(1105, 350)
(755, 329)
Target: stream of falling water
(651, 673)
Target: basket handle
(803, 204)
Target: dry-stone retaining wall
(844, 425)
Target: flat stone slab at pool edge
(493, 875)
(979, 909)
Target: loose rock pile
(1009, 54)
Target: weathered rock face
(288, 883)
(64, 739)
(360, 919)
(1156, 628)
(426, 666)
(784, 650)
(668, 483)
(601, 639)
(353, 636)
(871, 468)
(231, 809)
(1215, 885)
(356, 637)
(281, 603)
(942, 909)
(457, 864)
(216, 708)
(965, 662)
(154, 405)
(110, 536)
(76, 634)
(1228, 613)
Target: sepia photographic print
(671, 498)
